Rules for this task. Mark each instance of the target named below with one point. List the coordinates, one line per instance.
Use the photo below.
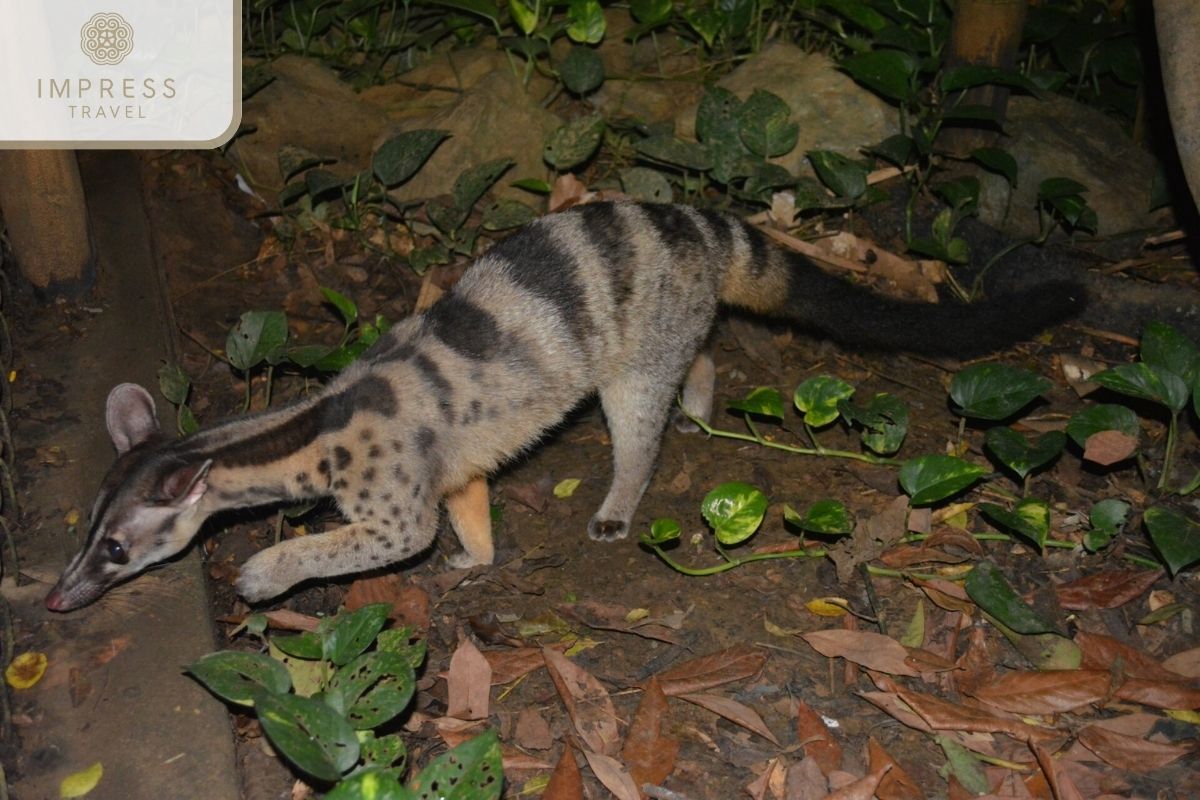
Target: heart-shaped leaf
(828, 517)
(986, 586)
(734, 510)
(994, 391)
(399, 158)
(846, 178)
(884, 420)
(1176, 537)
(1021, 455)
(817, 398)
(888, 72)
(571, 144)
(1029, 517)
(762, 400)
(764, 125)
(661, 531)
(928, 479)
(1103, 417)
(582, 70)
(308, 733)
(1148, 382)
(238, 677)
(258, 336)
(1163, 346)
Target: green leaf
(174, 383)
(347, 635)
(997, 160)
(661, 531)
(762, 400)
(533, 185)
(525, 16)
(706, 21)
(371, 689)
(305, 645)
(582, 70)
(474, 181)
(965, 766)
(650, 12)
(666, 149)
(961, 193)
(1102, 417)
(471, 771)
(859, 13)
(422, 258)
(884, 420)
(897, 149)
(238, 677)
(1108, 520)
(1176, 537)
(257, 337)
(294, 160)
(308, 733)
(484, 8)
(734, 510)
(828, 517)
(994, 391)
(817, 398)
(646, 185)
(1029, 518)
(886, 72)
(717, 115)
(321, 182)
(1019, 454)
(370, 784)
(1053, 188)
(400, 641)
(988, 589)
(1166, 348)
(585, 22)
(399, 158)
(928, 479)
(764, 125)
(966, 76)
(383, 751)
(1147, 382)
(344, 305)
(505, 214)
(846, 178)
(571, 144)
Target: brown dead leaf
(410, 603)
(946, 536)
(468, 682)
(1108, 447)
(861, 789)
(1045, 692)
(534, 495)
(288, 620)
(1129, 752)
(508, 665)
(871, 537)
(566, 783)
(1078, 371)
(908, 555)
(732, 664)
(1159, 694)
(815, 739)
(941, 715)
(455, 731)
(896, 784)
(613, 775)
(608, 617)
(1110, 588)
(805, 782)
(871, 650)
(99, 656)
(1060, 783)
(649, 753)
(1185, 663)
(587, 702)
(1101, 652)
(532, 732)
(947, 595)
(735, 712)
(772, 780)
(976, 664)
(567, 191)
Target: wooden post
(41, 198)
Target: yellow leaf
(72, 517)
(827, 606)
(954, 515)
(637, 615)
(581, 644)
(775, 630)
(566, 488)
(80, 783)
(12, 376)
(25, 670)
(1184, 716)
(534, 786)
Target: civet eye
(116, 552)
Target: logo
(106, 38)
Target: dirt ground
(554, 585)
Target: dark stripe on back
(722, 231)
(331, 413)
(431, 373)
(464, 327)
(540, 266)
(676, 229)
(760, 251)
(609, 235)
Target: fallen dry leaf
(862, 789)
(1060, 784)
(613, 775)
(896, 784)
(411, 605)
(735, 712)
(514, 759)
(911, 554)
(865, 648)
(508, 665)
(773, 779)
(533, 495)
(587, 702)
(567, 191)
(1101, 652)
(805, 782)
(566, 783)
(1108, 447)
(609, 617)
(1130, 752)
(946, 595)
(468, 682)
(1159, 694)
(1110, 588)
(1045, 692)
(815, 739)
(732, 664)
(1185, 663)
(532, 732)
(942, 714)
(648, 752)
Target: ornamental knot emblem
(106, 38)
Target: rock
(307, 106)
(1057, 137)
(834, 112)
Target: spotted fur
(613, 299)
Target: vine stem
(787, 448)
(730, 563)
(1169, 456)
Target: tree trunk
(984, 32)
(41, 198)
(1177, 23)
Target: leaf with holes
(370, 784)
(371, 689)
(471, 771)
(237, 677)
(994, 391)
(818, 397)
(734, 510)
(763, 401)
(308, 733)
(399, 158)
(928, 479)
(1176, 537)
(1029, 518)
(347, 635)
(884, 421)
(572, 144)
(258, 336)
(402, 642)
(1021, 455)
(387, 752)
(646, 185)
